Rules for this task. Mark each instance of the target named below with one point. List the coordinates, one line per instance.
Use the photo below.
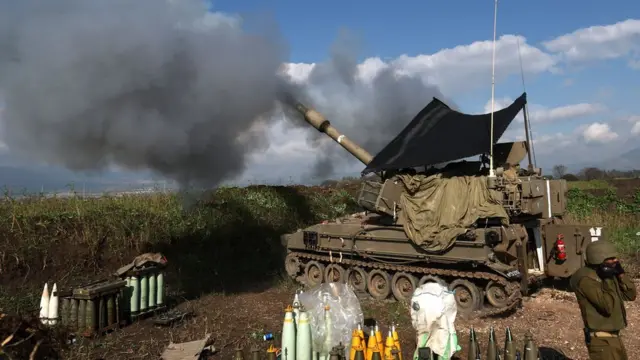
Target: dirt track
(552, 316)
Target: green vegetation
(590, 185)
(225, 241)
(619, 215)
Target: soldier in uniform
(601, 287)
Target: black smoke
(371, 109)
(144, 84)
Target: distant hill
(629, 160)
(34, 179)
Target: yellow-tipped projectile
(361, 335)
(371, 345)
(288, 335)
(379, 340)
(271, 353)
(396, 341)
(389, 345)
(355, 343)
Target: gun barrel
(323, 125)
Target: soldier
(601, 287)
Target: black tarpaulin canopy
(439, 134)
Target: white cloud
(598, 42)
(599, 133)
(464, 67)
(457, 69)
(635, 127)
(541, 114)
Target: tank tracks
(511, 287)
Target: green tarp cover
(436, 208)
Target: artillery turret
(435, 218)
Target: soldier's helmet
(599, 251)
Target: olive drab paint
(474, 347)
(530, 349)
(509, 345)
(93, 309)
(492, 347)
(524, 194)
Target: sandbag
(433, 314)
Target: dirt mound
(26, 338)
(552, 317)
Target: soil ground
(551, 315)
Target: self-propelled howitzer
(487, 237)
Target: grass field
(225, 242)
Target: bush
(231, 237)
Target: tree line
(558, 172)
(592, 173)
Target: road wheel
(292, 265)
(496, 294)
(334, 273)
(379, 284)
(314, 273)
(432, 278)
(403, 285)
(468, 296)
(357, 278)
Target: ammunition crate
(94, 308)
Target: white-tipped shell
(53, 305)
(44, 304)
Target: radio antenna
(493, 87)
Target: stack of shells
(297, 344)
(145, 291)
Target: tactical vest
(593, 319)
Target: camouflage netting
(436, 208)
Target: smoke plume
(145, 84)
(371, 109)
(170, 87)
